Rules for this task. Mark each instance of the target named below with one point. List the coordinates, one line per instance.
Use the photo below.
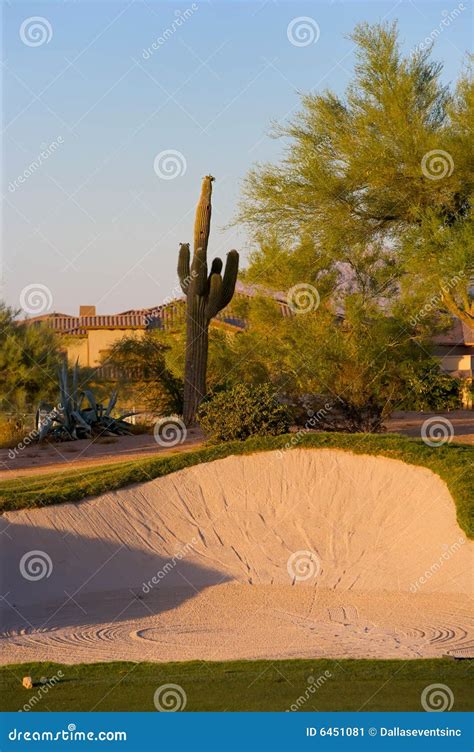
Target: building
(88, 337)
(455, 350)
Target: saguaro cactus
(206, 295)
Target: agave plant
(78, 415)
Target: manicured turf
(452, 462)
(240, 685)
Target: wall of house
(101, 340)
(77, 349)
(90, 348)
(454, 363)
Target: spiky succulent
(77, 415)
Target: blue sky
(94, 223)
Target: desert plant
(241, 412)
(206, 295)
(77, 415)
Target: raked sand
(308, 553)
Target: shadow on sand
(50, 580)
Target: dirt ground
(81, 454)
(48, 458)
(410, 423)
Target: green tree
(380, 179)
(358, 367)
(144, 373)
(30, 357)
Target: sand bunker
(308, 553)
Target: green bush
(431, 389)
(241, 412)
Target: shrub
(12, 430)
(431, 389)
(241, 412)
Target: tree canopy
(379, 180)
(30, 357)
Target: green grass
(452, 462)
(241, 685)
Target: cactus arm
(214, 300)
(183, 267)
(216, 266)
(230, 278)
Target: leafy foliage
(241, 412)
(30, 356)
(350, 371)
(430, 389)
(144, 373)
(357, 179)
(356, 209)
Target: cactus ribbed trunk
(197, 339)
(206, 295)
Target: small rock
(27, 682)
